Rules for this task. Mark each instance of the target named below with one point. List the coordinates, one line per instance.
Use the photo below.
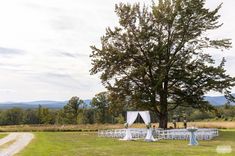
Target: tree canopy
(157, 59)
(101, 103)
(72, 109)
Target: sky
(45, 46)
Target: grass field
(3, 135)
(88, 144)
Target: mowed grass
(2, 135)
(88, 144)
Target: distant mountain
(214, 100)
(217, 100)
(43, 103)
(87, 103)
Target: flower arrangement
(126, 125)
(148, 125)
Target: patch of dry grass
(95, 127)
(7, 144)
(211, 124)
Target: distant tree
(101, 103)
(227, 105)
(60, 117)
(156, 57)
(45, 116)
(48, 116)
(39, 114)
(14, 116)
(71, 110)
(200, 115)
(30, 116)
(88, 116)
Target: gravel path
(21, 140)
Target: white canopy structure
(131, 117)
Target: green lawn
(85, 144)
(2, 135)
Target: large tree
(157, 58)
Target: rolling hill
(214, 100)
(217, 100)
(35, 104)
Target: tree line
(73, 112)
(102, 110)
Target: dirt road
(14, 143)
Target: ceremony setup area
(154, 134)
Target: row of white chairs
(173, 134)
(120, 133)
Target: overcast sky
(44, 46)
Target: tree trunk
(163, 120)
(163, 113)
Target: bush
(120, 119)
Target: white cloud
(54, 37)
